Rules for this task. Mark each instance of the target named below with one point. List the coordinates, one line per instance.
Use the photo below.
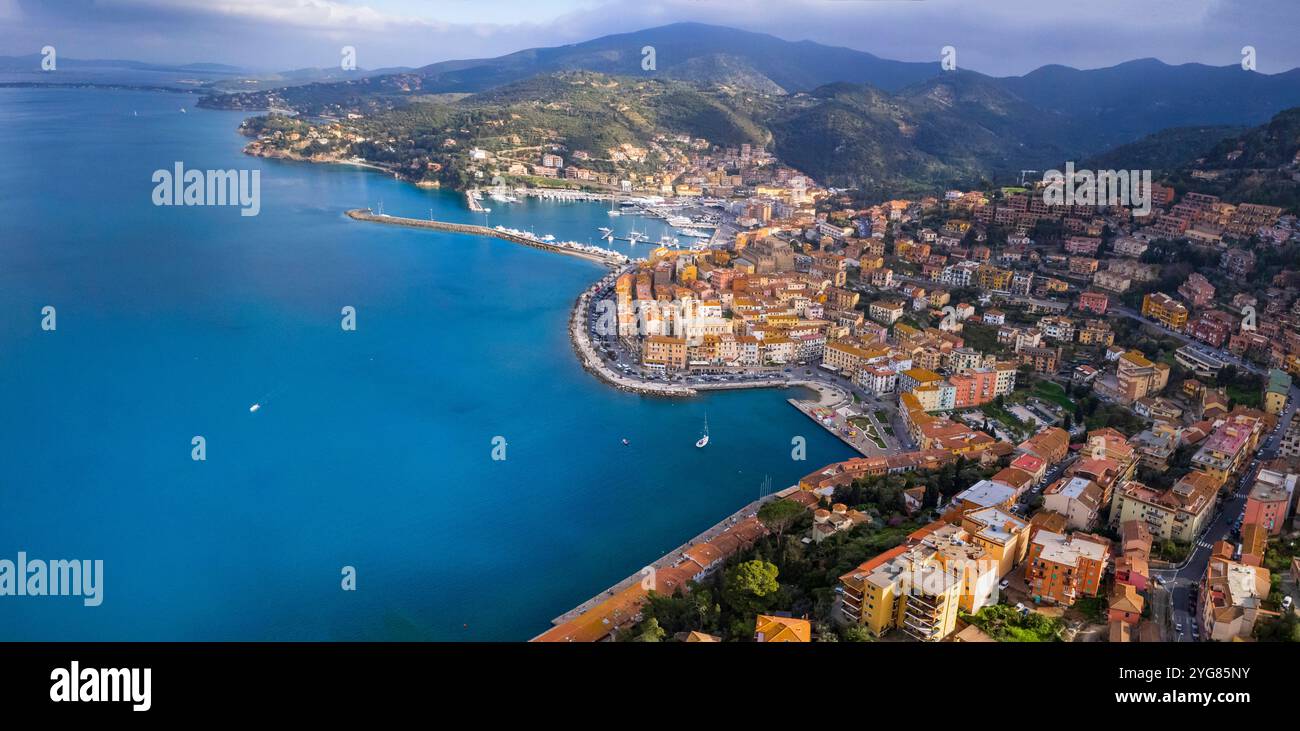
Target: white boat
(613, 212)
(548, 238)
(694, 233)
(605, 233)
(679, 221)
(704, 440)
(253, 409)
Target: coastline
(621, 597)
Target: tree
(650, 632)
(856, 633)
(746, 586)
(779, 515)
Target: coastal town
(1075, 423)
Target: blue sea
(372, 448)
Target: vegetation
(777, 573)
(1005, 624)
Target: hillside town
(1076, 423)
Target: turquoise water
(372, 448)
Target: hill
(1166, 150)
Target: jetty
(571, 248)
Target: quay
(618, 606)
(590, 253)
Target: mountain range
(846, 117)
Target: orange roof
(781, 629)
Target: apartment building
(1077, 498)
(1004, 536)
(1271, 500)
(1164, 309)
(664, 352)
(886, 311)
(1094, 302)
(1137, 376)
(1096, 332)
(1062, 569)
(1050, 445)
(1231, 597)
(1197, 290)
(1229, 446)
(1177, 514)
(919, 587)
(1276, 391)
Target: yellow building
(1276, 392)
(919, 587)
(1164, 309)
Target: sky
(998, 37)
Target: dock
(590, 253)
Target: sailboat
(704, 440)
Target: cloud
(1007, 37)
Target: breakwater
(571, 248)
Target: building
(1094, 302)
(1229, 446)
(1277, 391)
(1177, 514)
(1096, 332)
(1137, 376)
(1060, 570)
(1042, 360)
(1126, 604)
(1213, 327)
(918, 587)
(985, 494)
(1077, 498)
(886, 311)
(1164, 309)
(1197, 290)
(1202, 363)
(1004, 536)
(1231, 597)
(661, 351)
(1050, 445)
(768, 628)
(1271, 501)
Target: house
(1132, 570)
(1136, 538)
(1050, 445)
(768, 628)
(1126, 605)
(1077, 498)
